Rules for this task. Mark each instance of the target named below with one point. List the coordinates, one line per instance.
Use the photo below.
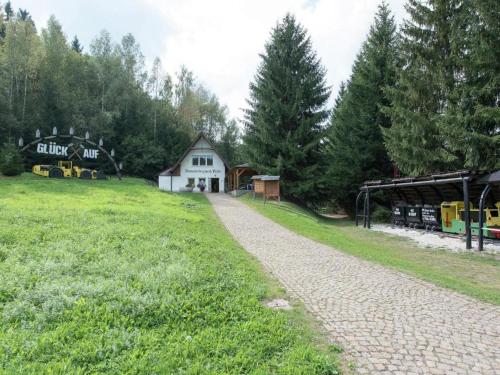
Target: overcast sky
(219, 40)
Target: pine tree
(471, 122)
(2, 24)
(418, 98)
(356, 150)
(11, 162)
(445, 103)
(284, 124)
(76, 46)
(9, 12)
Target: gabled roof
(201, 135)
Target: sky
(219, 40)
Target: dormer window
(203, 160)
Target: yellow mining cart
(67, 169)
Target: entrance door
(214, 185)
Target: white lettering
(41, 148)
(54, 149)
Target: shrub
(11, 162)
(381, 214)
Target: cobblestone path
(387, 322)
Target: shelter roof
(436, 188)
(266, 178)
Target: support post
(364, 209)
(368, 224)
(484, 194)
(357, 207)
(468, 234)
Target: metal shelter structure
(467, 186)
(489, 181)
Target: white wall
(187, 170)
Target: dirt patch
(278, 303)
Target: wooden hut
(268, 186)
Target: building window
(203, 160)
(190, 182)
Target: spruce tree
(76, 46)
(471, 122)
(355, 146)
(9, 12)
(445, 104)
(285, 120)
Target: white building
(200, 162)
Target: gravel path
(436, 240)
(386, 321)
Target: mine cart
(431, 217)
(413, 215)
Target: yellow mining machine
(67, 169)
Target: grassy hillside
(118, 277)
(477, 275)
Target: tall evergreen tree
(285, 121)
(355, 147)
(445, 103)
(9, 12)
(470, 125)
(2, 23)
(76, 46)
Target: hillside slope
(118, 277)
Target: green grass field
(118, 277)
(477, 275)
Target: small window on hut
(203, 160)
(195, 160)
(190, 182)
(210, 160)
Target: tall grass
(117, 277)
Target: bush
(381, 214)
(11, 162)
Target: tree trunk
(154, 124)
(24, 99)
(102, 98)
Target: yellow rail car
(452, 216)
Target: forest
(423, 97)
(150, 117)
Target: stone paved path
(386, 321)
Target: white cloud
(220, 40)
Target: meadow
(118, 277)
(474, 274)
